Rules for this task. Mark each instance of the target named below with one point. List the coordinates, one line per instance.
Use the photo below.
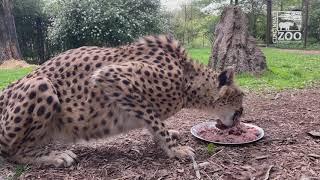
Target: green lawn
(9, 75)
(285, 70)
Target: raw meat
(238, 134)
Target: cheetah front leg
(131, 101)
(167, 139)
(173, 133)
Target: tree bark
(234, 46)
(305, 22)
(40, 40)
(9, 46)
(269, 22)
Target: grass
(7, 76)
(19, 170)
(210, 148)
(286, 70)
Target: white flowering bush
(102, 22)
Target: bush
(99, 22)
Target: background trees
(254, 9)
(47, 27)
(32, 24)
(314, 23)
(9, 46)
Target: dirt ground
(14, 64)
(311, 52)
(286, 150)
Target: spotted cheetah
(94, 92)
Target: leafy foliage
(315, 20)
(47, 27)
(210, 148)
(98, 22)
(192, 25)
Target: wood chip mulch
(286, 152)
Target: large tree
(234, 46)
(9, 46)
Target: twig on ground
(154, 174)
(216, 153)
(219, 165)
(196, 168)
(262, 157)
(266, 177)
(204, 172)
(126, 177)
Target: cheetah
(96, 92)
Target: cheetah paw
(182, 152)
(174, 134)
(60, 159)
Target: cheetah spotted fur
(94, 92)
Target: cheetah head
(216, 94)
(227, 105)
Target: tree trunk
(305, 22)
(9, 46)
(269, 22)
(40, 40)
(234, 46)
(252, 18)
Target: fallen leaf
(163, 173)
(314, 133)
(276, 97)
(203, 164)
(180, 170)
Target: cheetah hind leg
(30, 148)
(46, 158)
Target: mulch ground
(287, 151)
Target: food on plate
(240, 133)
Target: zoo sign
(286, 26)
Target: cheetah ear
(225, 78)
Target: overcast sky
(172, 4)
